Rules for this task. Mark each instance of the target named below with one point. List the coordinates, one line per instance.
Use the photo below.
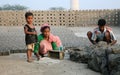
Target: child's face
(101, 28)
(46, 32)
(29, 19)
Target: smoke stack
(74, 4)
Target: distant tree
(20, 7)
(0, 8)
(61, 8)
(7, 7)
(13, 7)
(53, 8)
(57, 8)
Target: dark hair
(43, 28)
(28, 14)
(101, 22)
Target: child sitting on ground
(47, 41)
(102, 33)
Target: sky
(46, 4)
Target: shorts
(31, 46)
(102, 38)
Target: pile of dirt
(101, 57)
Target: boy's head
(101, 24)
(29, 17)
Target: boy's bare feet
(29, 61)
(38, 58)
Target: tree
(52, 8)
(57, 8)
(13, 7)
(20, 7)
(7, 7)
(0, 8)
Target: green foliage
(0, 8)
(13, 7)
(57, 8)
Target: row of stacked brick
(61, 18)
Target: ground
(16, 64)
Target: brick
(56, 54)
(17, 51)
(0, 53)
(6, 53)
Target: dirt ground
(16, 64)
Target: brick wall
(62, 18)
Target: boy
(30, 35)
(102, 33)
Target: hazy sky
(46, 4)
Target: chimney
(74, 4)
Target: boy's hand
(93, 42)
(34, 33)
(113, 42)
